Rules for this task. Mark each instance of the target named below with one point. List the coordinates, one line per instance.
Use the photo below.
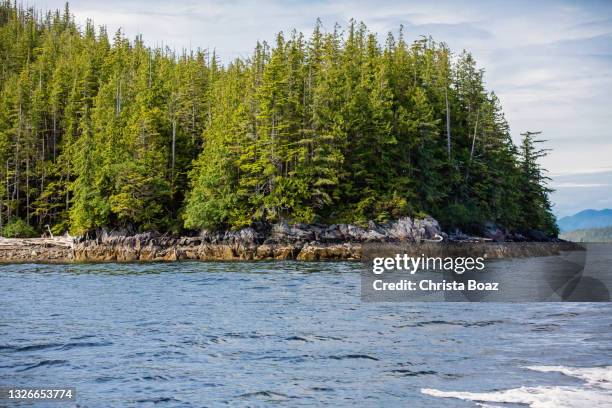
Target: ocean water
(288, 334)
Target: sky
(549, 62)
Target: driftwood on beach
(6, 243)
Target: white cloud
(579, 185)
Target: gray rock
(494, 232)
(344, 231)
(356, 233)
(401, 230)
(331, 234)
(211, 237)
(373, 236)
(404, 229)
(248, 236)
(283, 232)
(427, 228)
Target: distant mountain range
(585, 220)
(588, 235)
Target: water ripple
(191, 334)
(44, 363)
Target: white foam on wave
(535, 397)
(597, 392)
(596, 376)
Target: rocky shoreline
(276, 242)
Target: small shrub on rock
(18, 228)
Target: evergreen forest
(337, 125)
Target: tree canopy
(333, 127)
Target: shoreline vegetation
(99, 132)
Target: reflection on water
(287, 333)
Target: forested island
(100, 132)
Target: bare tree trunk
(27, 189)
(150, 73)
(54, 135)
(1, 209)
(8, 192)
(193, 112)
(42, 164)
(448, 130)
(67, 195)
(16, 183)
(173, 147)
(474, 138)
(118, 98)
(467, 171)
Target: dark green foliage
(534, 198)
(336, 127)
(95, 133)
(18, 228)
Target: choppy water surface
(259, 334)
